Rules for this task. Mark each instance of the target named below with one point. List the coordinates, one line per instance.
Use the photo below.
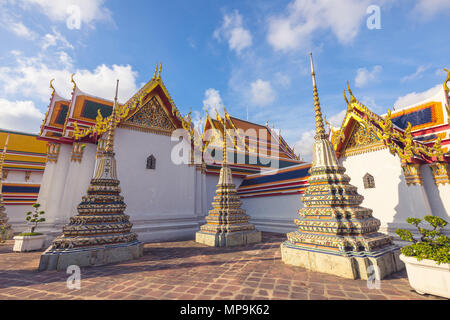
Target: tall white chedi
(335, 234)
(101, 232)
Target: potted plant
(30, 241)
(428, 260)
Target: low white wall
(273, 214)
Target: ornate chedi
(335, 234)
(227, 224)
(5, 228)
(101, 232)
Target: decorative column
(101, 232)
(53, 152)
(440, 172)
(77, 152)
(335, 234)
(412, 173)
(5, 228)
(227, 224)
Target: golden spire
(320, 130)
(224, 143)
(112, 125)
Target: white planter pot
(426, 276)
(28, 243)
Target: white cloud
(303, 18)
(10, 22)
(55, 39)
(337, 119)
(416, 97)
(364, 76)
(31, 76)
(213, 101)
(304, 145)
(283, 80)
(20, 116)
(21, 30)
(90, 10)
(233, 31)
(415, 75)
(426, 9)
(441, 73)
(262, 93)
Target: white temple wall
(16, 213)
(78, 177)
(392, 200)
(274, 213)
(439, 196)
(160, 202)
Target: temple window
(369, 181)
(151, 162)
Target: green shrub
(35, 217)
(28, 234)
(433, 245)
(3, 234)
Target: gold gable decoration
(124, 110)
(399, 142)
(361, 141)
(150, 118)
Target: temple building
(21, 175)
(406, 166)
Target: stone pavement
(188, 270)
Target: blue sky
(250, 55)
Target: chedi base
(350, 267)
(91, 256)
(228, 239)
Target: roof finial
(352, 97)
(160, 69)
(345, 98)
(156, 71)
(73, 81)
(112, 124)
(320, 130)
(447, 80)
(51, 86)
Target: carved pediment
(151, 117)
(361, 140)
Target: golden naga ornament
(399, 142)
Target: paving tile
(187, 270)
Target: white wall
(275, 213)
(392, 200)
(439, 196)
(160, 202)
